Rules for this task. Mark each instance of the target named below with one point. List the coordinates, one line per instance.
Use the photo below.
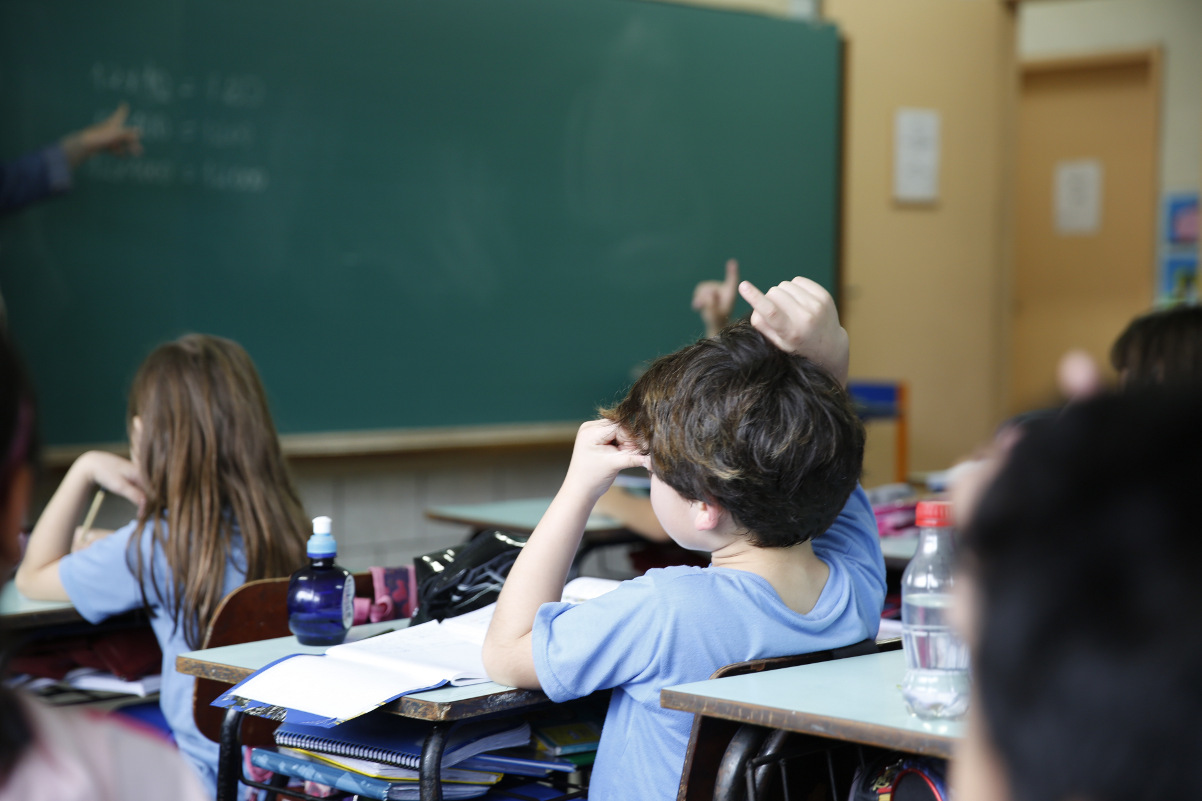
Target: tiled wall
(378, 503)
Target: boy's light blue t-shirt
(100, 582)
(680, 624)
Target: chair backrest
(710, 736)
(258, 610)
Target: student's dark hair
(1161, 346)
(1085, 550)
(18, 446)
(769, 436)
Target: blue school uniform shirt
(101, 583)
(679, 624)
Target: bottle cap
(321, 544)
(933, 514)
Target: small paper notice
(1078, 197)
(916, 155)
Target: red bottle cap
(933, 514)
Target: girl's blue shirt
(100, 582)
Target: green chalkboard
(413, 213)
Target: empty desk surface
(19, 612)
(856, 699)
(520, 515)
(899, 550)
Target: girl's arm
(538, 575)
(52, 536)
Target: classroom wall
(925, 286)
(1066, 27)
(925, 289)
(922, 287)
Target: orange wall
(925, 287)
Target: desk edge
(409, 706)
(928, 743)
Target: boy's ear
(707, 515)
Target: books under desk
(378, 754)
(438, 708)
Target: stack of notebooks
(377, 756)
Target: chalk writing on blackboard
(191, 127)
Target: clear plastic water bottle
(321, 597)
(937, 671)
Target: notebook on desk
(358, 677)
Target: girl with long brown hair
(216, 507)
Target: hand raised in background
(799, 316)
(714, 300)
(110, 135)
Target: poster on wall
(1179, 249)
(1179, 279)
(1181, 219)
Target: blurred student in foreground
(1082, 604)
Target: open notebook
(354, 678)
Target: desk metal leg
(229, 761)
(430, 781)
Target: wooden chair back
(258, 610)
(710, 736)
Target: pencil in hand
(83, 534)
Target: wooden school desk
(18, 612)
(233, 663)
(521, 516)
(899, 550)
(855, 700)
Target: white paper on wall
(916, 155)
(1078, 194)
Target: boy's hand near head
(799, 316)
(602, 450)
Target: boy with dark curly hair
(755, 455)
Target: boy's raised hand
(799, 316)
(714, 300)
(602, 450)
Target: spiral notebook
(393, 740)
(360, 676)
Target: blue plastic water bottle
(321, 597)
